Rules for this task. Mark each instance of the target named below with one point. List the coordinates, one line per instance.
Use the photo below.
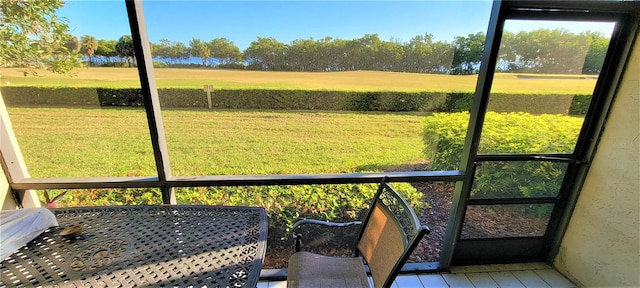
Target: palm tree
(89, 46)
(200, 49)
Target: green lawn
(342, 81)
(115, 142)
(58, 142)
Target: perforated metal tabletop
(125, 246)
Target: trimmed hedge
(302, 100)
(580, 104)
(530, 103)
(182, 98)
(457, 102)
(534, 104)
(51, 96)
(505, 133)
(296, 100)
(120, 97)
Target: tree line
(33, 37)
(538, 51)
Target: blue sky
(243, 21)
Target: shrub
(234, 66)
(187, 65)
(160, 64)
(518, 179)
(505, 133)
(284, 204)
(104, 197)
(444, 135)
(287, 204)
(513, 133)
(114, 64)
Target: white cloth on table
(18, 227)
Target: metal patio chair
(388, 235)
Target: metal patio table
(152, 246)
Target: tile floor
(499, 275)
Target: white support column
(14, 168)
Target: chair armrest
(297, 237)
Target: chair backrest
(389, 234)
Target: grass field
(352, 80)
(59, 142)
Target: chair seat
(307, 269)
